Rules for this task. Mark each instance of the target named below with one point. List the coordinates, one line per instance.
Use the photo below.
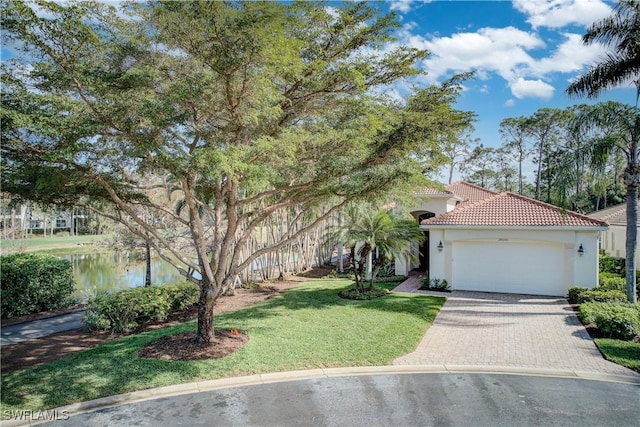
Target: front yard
(307, 327)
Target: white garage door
(521, 268)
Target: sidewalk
(41, 327)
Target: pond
(110, 271)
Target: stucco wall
(579, 270)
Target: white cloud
(501, 50)
(522, 88)
(510, 103)
(570, 56)
(484, 89)
(558, 13)
(403, 6)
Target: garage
(525, 267)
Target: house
(613, 241)
(479, 240)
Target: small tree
(369, 231)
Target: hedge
(32, 283)
(125, 310)
(615, 320)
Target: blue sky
(524, 52)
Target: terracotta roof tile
(614, 215)
(469, 192)
(509, 209)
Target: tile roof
(509, 209)
(469, 192)
(616, 215)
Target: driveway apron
(509, 330)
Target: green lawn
(625, 353)
(307, 327)
(39, 243)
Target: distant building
(613, 241)
(18, 220)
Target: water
(109, 271)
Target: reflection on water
(109, 271)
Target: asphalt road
(430, 399)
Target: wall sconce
(440, 246)
(581, 250)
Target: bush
(31, 283)
(612, 282)
(620, 321)
(440, 285)
(389, 279)
(574, 293)
(368, 294)
(598, 295)
(128, 309)
(609, 264)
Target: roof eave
(519, 227)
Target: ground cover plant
(308, 326)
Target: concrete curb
(275, 377)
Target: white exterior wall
(575, 270)
(614, 242)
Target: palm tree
(619, 126)
(367, 232)
(619, 31)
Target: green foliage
(354, 293)
(125, 310)
(611, 282)
(440, 285)
(247, 110)
(598, 295)
(574, 293)
(611, 265)
(310, 321)
(390, 279)
(31, 283)
(615, 320)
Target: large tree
(619, 131)
(620, 32)
(244, 109)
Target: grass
(307, 327)
(625, 353)
(40, 243)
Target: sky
(524, 53)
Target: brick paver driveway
(506, 330)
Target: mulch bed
(183, 346)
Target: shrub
(128, 309)
(369, 293)
(598, 295)
(620, 321)
(440, 285)
(609, 264)
(31, 283)
(610, 281)
(182, 295)
(390, 279)
(574, 293)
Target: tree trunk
(147, 274)
(205, 331)
(631, 243)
